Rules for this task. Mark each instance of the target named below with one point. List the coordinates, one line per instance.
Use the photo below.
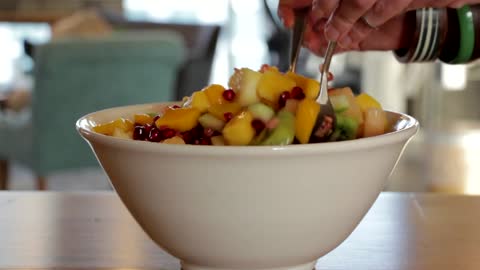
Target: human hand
(359, 24)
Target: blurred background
(60, 59)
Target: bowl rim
(404, 134)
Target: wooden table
(50, 230)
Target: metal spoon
(326, 120)
(327, 114)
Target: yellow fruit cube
(200, 101)
(365, 101)
(181, 119)
(108, 128)
(272, 84)
(174, 140)
(142, 119)
(310, 87)
(239, 130)
(214, 93)
(219, 110)
(375, 122)
(306, 117)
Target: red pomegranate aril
(168, 133)
(187, 137)
(297, 93)
(147, 127)
(175, 106)
(156, 118)
(258, 125)
(228, 95)
(330, 76)
(155, 135)
(228, 116)
(208, 132)
(282, 100)
(139, 133)
(205, 141)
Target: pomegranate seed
(139, 133)
(228, 116)
(187, 137)
(283, 98)
(258, 125)
(175, 106)
(228, 95)
(156, 118)
(297, 93)
(205, 141)
(155, 135)
(208, 132)
(148, 127)
(330, 76)
(168, 133)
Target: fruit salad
(258, 107)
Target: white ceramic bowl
(255, 207)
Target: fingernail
(345, 41)
(332, 33)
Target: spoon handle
(297, 36)
(322, 95)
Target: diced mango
(365, 101)
(108, 128)
(143, 118)
(214, 93)
(353, 110)
(307, 112)
(181, 119)
(239, 130)
(375, 122)
(174, 140)
(272, 84)
(310, 87)
(219, 110)
(200, 101)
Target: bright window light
(454, 77)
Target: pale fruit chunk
(365, 101)
(272, 84)
(200, 101)
(218, 140)
(310, 87)
(284, 132)
(109, 128)
(239, 130)
(181, 119)
(375, 122)
(261, 111)
(339, 103)
(120, 133)
(209, 121)
(174, 140)
(244, 82)
(307, 113)
(353, 110)
(292, 105)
